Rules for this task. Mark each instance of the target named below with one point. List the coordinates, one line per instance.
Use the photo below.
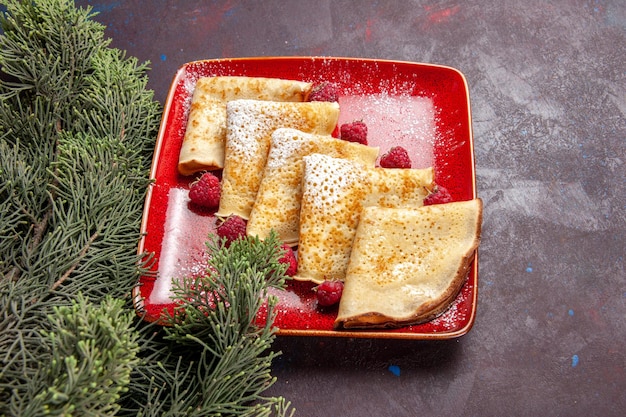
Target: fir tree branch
(92, 356)
(217, 314)
(77, 129)
(50, 55)
(81, 255)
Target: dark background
(548, 91)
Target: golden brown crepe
(205, 136)
(334, 192)
(277, 204)
(408, 265)
(250, 124)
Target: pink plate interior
(425, 108)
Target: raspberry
(233, 228)
(397, 157)
(205, 191)
(289, 258)
(324, 92)
(440, 195)
(329, 292)
(354, 132)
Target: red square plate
(424, 108)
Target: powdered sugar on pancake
(336, 177)
(285, 143)
(248, 120)
(250, 124)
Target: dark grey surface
(548, 91)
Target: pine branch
(53, 181)
(93, 351)
(217, 316)
(77, 129)
(81, 255)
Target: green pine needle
(77, 131)
(93, 352)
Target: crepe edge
(427, 311)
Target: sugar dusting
(285, 143)
(406, 120)
(328, 179)
(189, 79)
(450, 318)
(247, 121)
(296, 308)
(289, 301)
(186, 85)
(183, 248)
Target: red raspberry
(205, 191)
(289, 258)
(233, 228)
(440, 195)
(329, 292)
(324, 91)
(397, 157)
(354, 132)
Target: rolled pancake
(408, 265)
(205, 136)
(334, 192)
(250, 124)
(277, 204)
